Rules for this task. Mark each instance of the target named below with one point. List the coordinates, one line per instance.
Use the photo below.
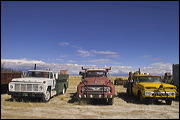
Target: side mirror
(131, 80)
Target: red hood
(96, 81)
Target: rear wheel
(64, 90)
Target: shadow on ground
(128, 99)
(26, 99)
(135, 100)
(4, 89)
(74, 100)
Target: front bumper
(95, 96)
(26, 94)
(160, 95)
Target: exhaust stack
(35, 67)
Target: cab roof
(92, 69)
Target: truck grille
(26, 87)
(95, 89)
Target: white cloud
(61, 60)
(84, 53)
(103, 52)
(24, 64)
(156, 59)
(23, 60)
(113, 56)
(71, 61)
(63, 56)
(63, 44)
(75, 46)
(161, 64)
(68, 44)
(99, 61)
(145, 56)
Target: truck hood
(30, 79)
(147, 84)
(96, 80)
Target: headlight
(82, 88)
(107, 89)
(40, 88)
(11, 87)
(171, 93)
(148, 93)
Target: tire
(47, 96)
(146, 101)
(168, 101)
(110, 101)
(15, 98)
(64, 90)
(149, 101)
(83, 101)
(141, 99)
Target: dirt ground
(67, 107)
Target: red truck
(96, 84)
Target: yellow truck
(150, 88)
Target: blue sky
(112, 33)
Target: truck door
(53, 80)
(135, 86)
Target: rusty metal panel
(119, 81)
(6, 77)
(63, 72)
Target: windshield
(96, 74)
(38, 74)
(150, 79)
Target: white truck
(42, 84)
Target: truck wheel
(13, 98)
(64, 90)
(110, 101)
(141, 99)
(83, 101)
(168, 101)
(47, 96)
